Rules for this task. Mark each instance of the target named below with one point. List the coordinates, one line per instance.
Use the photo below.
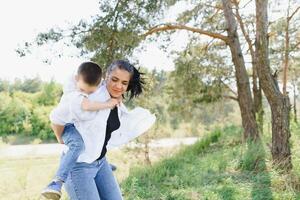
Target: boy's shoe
(53, 190)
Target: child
(86, 82)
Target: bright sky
(22, 20)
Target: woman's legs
(106, 183)
(80, 184)
(93, 181)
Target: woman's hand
(60, 140)
(58, 131)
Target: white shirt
(92, 125)
(61, 114)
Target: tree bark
(243, 85)
(295, 101)
(286, 51)
(256, 88)
(258, 107)
(295, 107)
(279, 103)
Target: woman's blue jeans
(94, 181)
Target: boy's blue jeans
(73, 140)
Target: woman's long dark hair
(136, 82)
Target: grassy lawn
(23, 178)
(218, 167)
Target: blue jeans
(92, 181)
(73, 140)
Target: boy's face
(84, 87)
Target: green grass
(23, 178)
(220, 166)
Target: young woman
(92, 177)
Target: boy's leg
(73, 140)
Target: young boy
(85, 82)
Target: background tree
(279, 102)
(284, 47)
(153, 98)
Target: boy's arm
(88, 105)
(58, 130)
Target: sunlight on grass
(24, 178)
(218, 167)
(215, 169)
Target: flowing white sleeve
(133, 124)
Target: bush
(50, 94)
(40, 122)
(14, 116)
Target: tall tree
(279, 103)
(242, 80)
(244, 93)
(256, 88)
(284, 47)
(289, 17)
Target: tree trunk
(147, 150)
(243, 85)
(279, 103)
(259, 110)
(295, 101)
(256, 88)
(286, 51)
(257, 94)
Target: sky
(22, 20)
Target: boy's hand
(111, 103)
(120, 99)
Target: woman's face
(117, 82)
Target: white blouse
(92, 124)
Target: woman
(92, 177)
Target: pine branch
(168, 27)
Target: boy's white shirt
(92, 124)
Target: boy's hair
(90, 72)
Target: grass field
(218, 167)
(23, 178)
